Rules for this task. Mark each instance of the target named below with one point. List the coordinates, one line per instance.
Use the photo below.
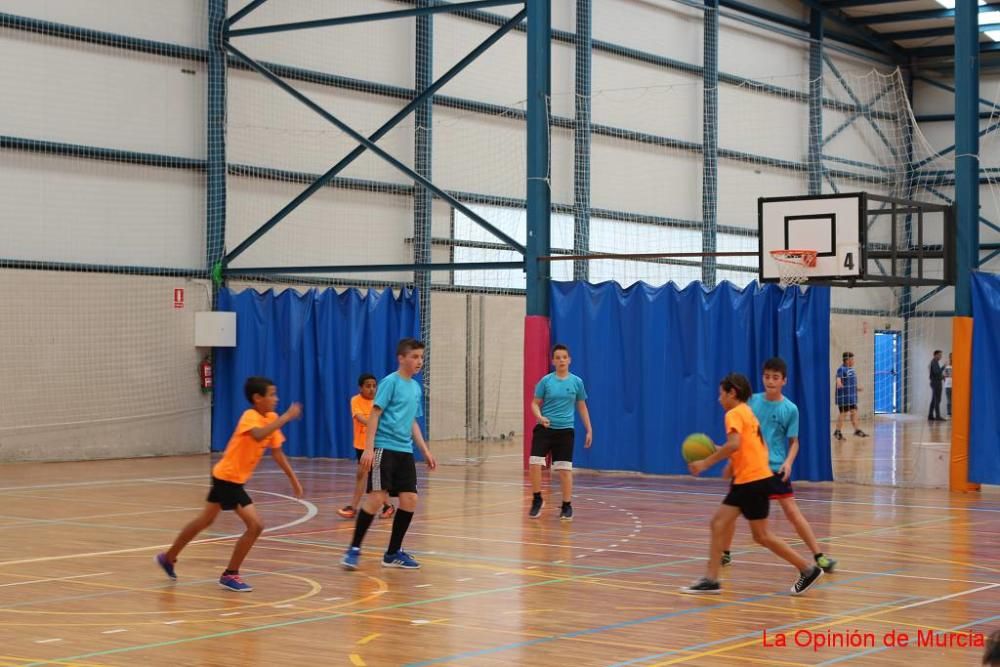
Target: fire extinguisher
(205, 375)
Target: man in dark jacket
(937, 384)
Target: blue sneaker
(234, 583)
(166, 565)
(400, 559)
(350, 559)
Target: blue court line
(747, 635)
(886, 648)
(623, 624)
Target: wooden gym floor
(78, 585)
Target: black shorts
(228, 494)
(847, 407)
(395, 472)
(780, 488)
(357, 455)
(555, 441)
(752, 498)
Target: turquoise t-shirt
(779, 421)
(559, 397)
(401, 402)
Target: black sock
(229, 573)
(566, 504)
(536, 496)
(725, 552)
(818, 556)
(361, 526)
(400, 524)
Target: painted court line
(600, 629)
(400, 605)
(42, 581)
(840, 621)
(311, 511)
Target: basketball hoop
(794, 266)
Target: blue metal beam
(710, 141)
(928, 296)
(993, 106)
(82, 267)
(243, 12)
(423, 10)
(375, 268)
(854, 116)
(167, 49)
(423, 199)
(840, 4)
(89, 36)
(368, 143)
(286, 176)
(949, 49)
(539, 192)
(949, 117)
(215, 135)
(900, 17)
(816, 141)
(866, 36)
(966, 154)
(581, 140)
(99, 153)
(974, 119)
(943, 31)
(854, 98)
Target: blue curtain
(314, 346)
(984, 434)
(652, 358)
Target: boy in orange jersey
(361, 410)
(749, 493)
(257, 430)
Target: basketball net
(794, 266)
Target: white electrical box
(215, 329)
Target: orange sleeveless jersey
(750, 460)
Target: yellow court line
(357, 661)
(67, 663)
(916, 556)
(517, 633)
(848, 619)
(314, 586)
(371, 637)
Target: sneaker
(703, 587)
(347, 511)
(536, 507)
(233, 582)
(566, 514)
(400, 559)
(838, 435)
(727, 559)
(826, 563)
(805, 581)
(387, 511)
(861, 434)
(166, 565)
(350, 559)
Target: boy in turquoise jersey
(556, 396)
(779, 427)
(388, 456)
